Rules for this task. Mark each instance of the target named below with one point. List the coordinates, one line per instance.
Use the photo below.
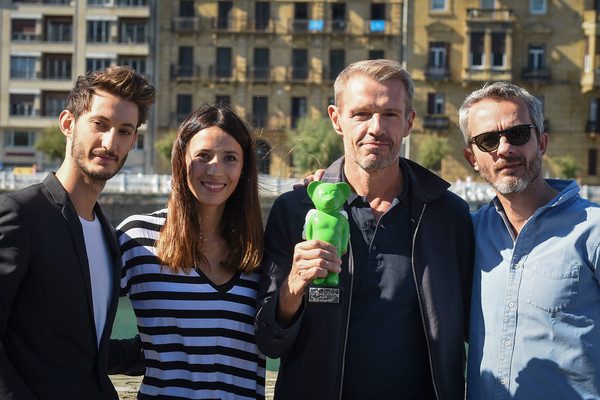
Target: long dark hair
(241, 225)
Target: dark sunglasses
(517, 136)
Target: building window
(595, 110)
(184, 106)
(137, 63)
(223, 100)
(23, 30)
(436, 103)
(22, 105)
(376, 54)
(59, 30)
(299, 64)
(487, 4)
(134, 31)
(57, 66)
(94, 64)
(22, 67)
(477, 51)
(298, 109)
(438, 55)
(498, 49)
(54, 103)
(263, 156)
(224, 16)
(185, 67)
(537, 6)
(19, 139)
(260, 110)
(224, 68)
(261, 64)
(377, 23)
(338, 17)
(300, 17)
(98, 31)
(438, 5)
(186, 8)
(592, 162)
(536, 57)
(337, 62)
(262, 15)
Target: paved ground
(127, 386)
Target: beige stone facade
(275, 61)
(45, 45)
(549, 47)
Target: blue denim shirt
(535, 313)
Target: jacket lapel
(68, 211)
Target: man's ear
(544, 138)
(66, 122)
(470, 157)
(410, 121)
(334, 116)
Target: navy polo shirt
(386, 351)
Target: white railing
(140, 183)
(473, 192)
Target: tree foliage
(164, 145)
(52, 143)
(432, 149)
(564, 167)
(314, 144)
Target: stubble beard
(369, 164)
(80, 156)
(517, 184)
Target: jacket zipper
(351, 270)
(420, 304)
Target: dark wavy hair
(241, 224)
(118, 80)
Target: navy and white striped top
(198, 337)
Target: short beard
(377, 163)
(79, 155)
(511, 185)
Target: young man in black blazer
(59, 260)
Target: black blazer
(48, 344)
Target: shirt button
(511, 304)
(516, 266)
(507, 343)
(504, 381)
(374, 248)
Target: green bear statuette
(327, 223)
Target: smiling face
(508, 169)
(372, 120)
(101, 138)
(214, 161)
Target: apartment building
(272, 61)
(45, 45)
(550, 47)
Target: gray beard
(519, 184)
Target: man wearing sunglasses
(535, 312)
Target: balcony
(183, 72)
(436, 122)
(229, 24)
(475, 74)
(536, 74)
(56, 76)
(184, 25)
(436, 73)
(273, 122)
(259, 25)
(222, 72)
(380, 27)
(489, 15)
(60, 2)
(25, 37)
(300, 74)
(131, 3)
(22, 110)
(260, 74)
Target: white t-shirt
(100, 263)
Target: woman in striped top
(191, 270)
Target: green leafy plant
(164, 145)
(432, 149)
(52, 143)
(565, 167)
(314, 144)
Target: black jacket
(312, 348)
(48, 344)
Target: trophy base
(324, 295)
